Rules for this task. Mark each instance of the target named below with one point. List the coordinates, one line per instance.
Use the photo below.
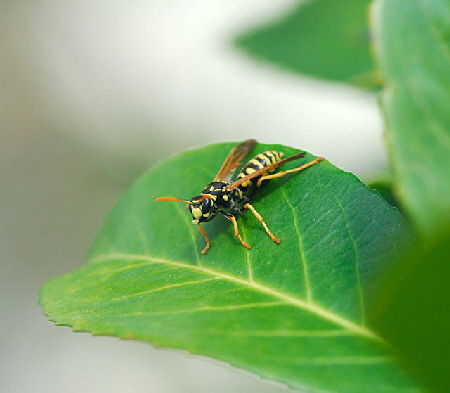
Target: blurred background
(95, 92)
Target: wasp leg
(236, 231)
(283, 173)
(208, 243)
(261, 220)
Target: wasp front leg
(208, 243)
(236, 230)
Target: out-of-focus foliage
(411, 306)
(412, 312)
(414, 56)
(326, 39)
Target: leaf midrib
(304, 305)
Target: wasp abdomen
(260, 161)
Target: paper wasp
(230, 198)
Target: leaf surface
(293, 312)
(413, 48)
(326, 39)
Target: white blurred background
(93, 93)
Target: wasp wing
(264, 170)
(234, 158)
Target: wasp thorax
(202, 208)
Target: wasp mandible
(231, 198)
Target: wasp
(227, 198)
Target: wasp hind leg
(208, 243)
(236, 230)
(261, 220)
(283, 173)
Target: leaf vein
(230, 307)
(284, 333)
(247, 257)
(191, 232)
(300, 246)
(339, 360)
(297, 302)
(163, 288)
(362, 311)
(141, 234)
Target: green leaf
(411, 311)
(326, 39)
(412, 38)
(293, 312)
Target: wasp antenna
(171, 199)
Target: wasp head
(202, 208)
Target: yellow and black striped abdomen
(260, 161)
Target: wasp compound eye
(206, 205)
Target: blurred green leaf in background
(411, 308)
(414, 56)
(326, 39)
(412, 312)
